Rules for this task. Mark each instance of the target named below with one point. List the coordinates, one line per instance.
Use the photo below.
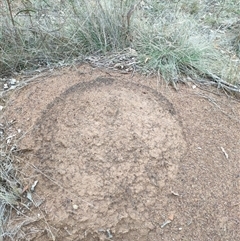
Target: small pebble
(75, 206)
(5, 86)
(13, 81)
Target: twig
(213, 102)
(129, 14)
(222, 83)
(225, 153)
(165, 223)
(10, 12)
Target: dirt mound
(117, 160)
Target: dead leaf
(171, 216)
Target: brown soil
(126, 158)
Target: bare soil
(121, 157)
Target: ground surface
(126, 158)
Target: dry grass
(10, 187)
(173, 39)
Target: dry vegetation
(173, 38)
(180, 40)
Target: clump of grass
(47, 32)
(170, 38)
(10, 187)
(175, 46)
